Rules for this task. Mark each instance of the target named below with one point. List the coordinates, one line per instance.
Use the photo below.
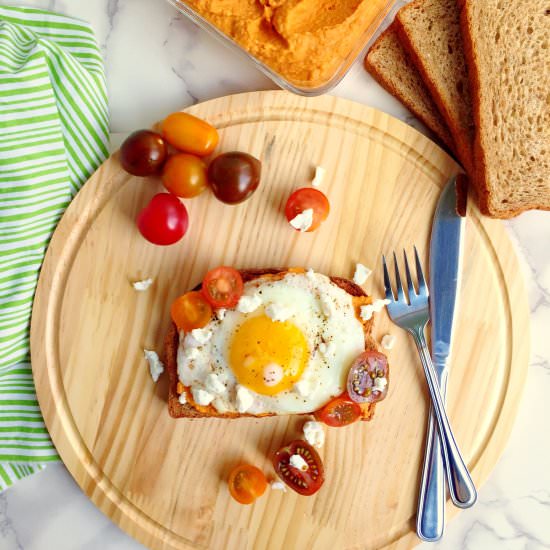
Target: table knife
(445, 267)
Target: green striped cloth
(53, 135)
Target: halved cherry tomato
(223, 287)
(305, 199)
(184, 175)
(191, 311)
(246, 483)
(164, 220)
(305, 482)
(190, 134)
(341, 411)
(368, 378)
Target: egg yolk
(268, 357)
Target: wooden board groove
(110, 423)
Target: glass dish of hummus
(305, 46)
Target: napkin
(53, 134)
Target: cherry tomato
(191, 311)
(341, 411)
(164, 220)
(184, 175)
(143, 153)
(223, 287)
(305, 482)
(308, 198)
(246, 483)
(234, 176)
(363, 386)
(190, 134)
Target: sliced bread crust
(186, 410)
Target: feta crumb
(278, 486)
(277, 312)
(368, 310)
(142, 286)
(220, 314)
(156, 368)
(304, 388)
(327, 349)
(182, 398)
(314, 433)
(320, 173)
(213, 384)
(197, 337)
(297, 461)
(327, 306)
(248, 304)
(202, 397)
(244, 399)
(273, 374)
(310, 274)
(388, 341)
(362, 273)
(380, 384)
(303, 221)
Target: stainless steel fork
(413, 316)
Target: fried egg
(286, 348)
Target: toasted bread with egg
(191, 410)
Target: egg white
(320, 309)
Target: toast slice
(388, 62)
(187, 410)
(430, 32)
(507, 49)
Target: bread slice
(507, 48)
(388, 62)
(187, 410)
(430, 32)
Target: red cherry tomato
(223, 287)
(246, 483)
(341, 411)
(191, 311)
(363, 375)
(164, 220)
(305, 199)
(305, 482)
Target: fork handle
(461, 487)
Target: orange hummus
(305, 41)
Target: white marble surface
(158, 62)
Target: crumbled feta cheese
(361, 274)
(298, 462)
(278, 486)
(191, 353)
(327, 305)
(156, 368)
(197, 337)
(213, 384)
(388, 341)
(248, 304)
(277, 312)
(220, 314)
(314, 433)
(379, 384)
(202, 397)
(327, 349)
(182, 398)
(273, 374)
(303, 221)
(310, 274)
(304, 388)
(244, 399)
(368, 310)
(142, 286)
(319, 176)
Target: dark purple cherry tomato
(143, 153)
(234, 176)
(164, 220)
(368, 378)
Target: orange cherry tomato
(305, 199)
(184, 175)
(246, 483)
(191, 311)
(341, 411)
(190, 134)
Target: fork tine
(410, 284)
(422, 288)
(387, 282)
(400, 294)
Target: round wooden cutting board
(163, 480)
